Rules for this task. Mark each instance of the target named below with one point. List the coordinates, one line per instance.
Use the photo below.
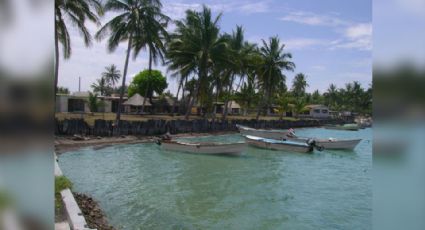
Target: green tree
(274, 61)
(75, 12)
(62, 90)
(111, 75)
(128, 26)
(100, 86)
(247, 95)
(284, 100)
(93, 102)
(331, 97)
(195, 47)
(299, 105)
(148, 84)
(240, 53)
(316, 97)
(153, 37)
(299, 85)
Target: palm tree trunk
(56, 65)
(147, 89)
(177, 95)
(192, 100)
(123, 81)
(260, 104)
(226, 103)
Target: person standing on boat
(291, 133)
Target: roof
(169, 100)
(81, 94)
(234, 105)
(315, 106)
(137, 100)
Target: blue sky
(330, 40)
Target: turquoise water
(140, 186)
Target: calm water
(141, 187)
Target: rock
(92, 213)
(77, 137)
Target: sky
(330, 40)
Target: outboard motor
(311, 142)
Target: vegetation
(211, 67)
(61, 183)
(62, 90)
(135, 21)
(111, 75)
(94, 103)
(147, 83)
(76, 12)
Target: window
(324, 111)
(316, 111)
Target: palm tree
(195, 48)
(240, 54)
(154, 33)
(75, 12)
(331, 96)
(274, 61)
(299, 85)
(125, 27)
(100, 86)
(111, 75)
(299, 105)
(247, 95)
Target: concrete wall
(158, 127)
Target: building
(134, 104)
(78, 103)
(234, 108)
(316, 111)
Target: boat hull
(338, 144)
(278, 145)
(332, 143)
(343, 127)
(234, 149)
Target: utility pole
(79, 84)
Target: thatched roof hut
(136, 100)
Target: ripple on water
(141, 187)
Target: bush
(61, 183)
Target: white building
(317, 111)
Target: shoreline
(65, 144)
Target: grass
(61, 183)
(91, 117)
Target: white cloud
(176, 10)
(358, 36)
(351, 35)
(301, 43)
(313, 19)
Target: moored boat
(348, 127)
(204, 147)
(285, 145)
(265, 133)
(331, 143)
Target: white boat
(204, 147)
(331, 143)
(347, 127)
(265, 133)
(285, 145)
